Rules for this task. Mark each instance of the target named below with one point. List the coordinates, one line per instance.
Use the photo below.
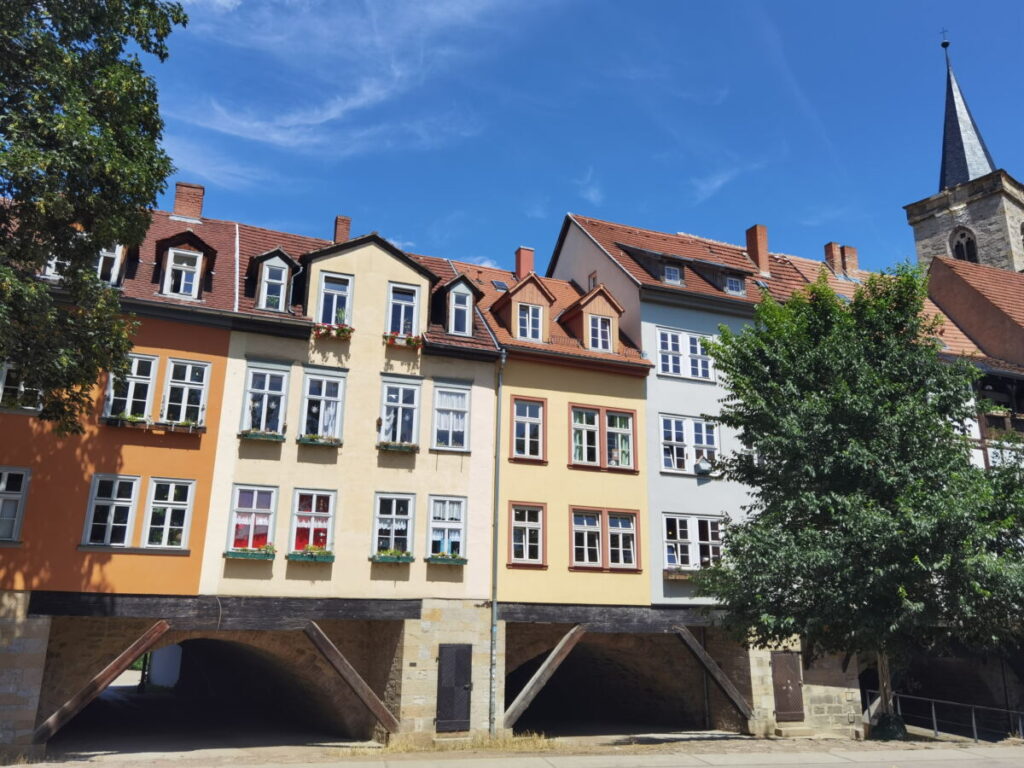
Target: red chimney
(342, 228)
(524, 261)
(849, 260)
(757, 248)
(188, 200)
(834, 257)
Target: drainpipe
(493, 704)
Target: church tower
(978, 213)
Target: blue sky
(465, 128)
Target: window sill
(598, 468)
(526, 460)
(190, 429)
(602, 569)
(398, 447)
(325, 442)
(395, 559)
(310, 557)
(274, 437)
(460, 561)
(679, 574)
(413, 343)
(681, 377)
(114, 421)
(688, 473)
(10, 544)
(463, 451)
(135, 550)
(19, 410)
(528, 566)
(240, 554)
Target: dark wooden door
(454, 685)
(789, 695)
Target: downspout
(495, 523)
(236, 266)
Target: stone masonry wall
(23, 643)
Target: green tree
(869, 531)
(80, 162)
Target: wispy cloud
(483, 261)
(589, 188)
(707, 186)
(821, 216)
(537, 209)
(200, 161)
(404, 245)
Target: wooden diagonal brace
(99, 683)
(543, 674)
(349, 674)
(716, 672)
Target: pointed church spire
(964, 154)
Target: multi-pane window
(700, 360)
(111, 508)
(129, 395)
(528, 429)
(621, 541)
(265, 400)
(600, 333)
(704, 446)
(321, 411)
(692, 542)
(619, 439)
(272, 292)
(604, 539)
(314, 511)
(527, 534)
(334, 292)
(186, 392)
(447, 526)
(451, 418)
(13, 490)
(686, 441)
(673, 274)
(586, 538)
(182, 275)
(398, 413)
(402, 311)
(735, 286)
(529, 322)
(459, 317)
(170, 502)
(13, 392)
(585, 436)
(108, 264)
(601, 437)
(394, 522)
(252, 516)
(683, 354)
(673, 443)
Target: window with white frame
(600, 333)
(685, 441)
(252, 516)
(529, 321)
(54, 267)
(399, 418)
(334, 298)
(181, 278)
(394, 522)
(619, 439)
(604, 539)
(129, 396)
(673, 274)
(402, 311)
(170, 507)
(185, 401)
(447, 526)
(691, 542)
(460, 309)
(322, 407)
(111, 510)
(108, 264)
(265, 399)
(602, 438)
(13, 492)
(585, 436)
(586, 538)
(273, 290)
(451, 418)
(735, 285)
(312, 521)
(621, 541)
(700, 360)
(683, 354)
(13, 392)
(527, 429)
(527, 534)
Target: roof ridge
(210, 220)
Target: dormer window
(182, 276)
(460, 306)
(529, 322)
(108, 264)
(600, 333)
(734, 285)
(272, 288)
(673, 275)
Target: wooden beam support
(716, 672)
(543, 674)
(349, 674)
(99, 683)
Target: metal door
(454, 684)
(789, 695)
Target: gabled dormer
(184, 266)
(594, 319)
(269, 279)
(525, 309)
(454, 305)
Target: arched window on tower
(965, 248)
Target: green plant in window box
(266, 552)
(314, 439)
(261, 434)
(312, 553)
(392, 556)
(445, 558)
(390, 445)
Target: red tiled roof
(1005, 289)
(436, 332)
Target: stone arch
(964, 245)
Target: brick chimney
(188, 200)
(342, 228)
(834, 257)
(849, 260)
(757, 248)
(524, 261)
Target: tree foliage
(80, 162)
(869, 531)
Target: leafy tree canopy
(869, 530)
(80, 162)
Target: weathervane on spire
(945, 44)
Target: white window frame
(694, 445)
(53, 269)
(132, 380)
(439, 413)
(617, 538)
(327, 377)
(587, 531)
(169, 269)
(588, 432)
(528, 420)
(735, 286)
(692, 543)
(266, 282)
(447, 525)
(322, 298)
(526, 526)
(6, 369)
(331, 516)
(186, 386)
(415, 326)
(132, 504)
(628, 432)
(410, 533)
(529, 318)
(400, 384)
(673, 274)
(171, 505)
(457, 293)
(117, 254)
(270, 370)
(19, 498)
(236, 491)
(677, 356)
(600, 335)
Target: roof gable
(373, 238)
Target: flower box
(397, 340)
(310, 557)
(255, 434)
(248, 554)
(126, 422)
(339, 331)
(398, 447)
(192, 429)
(382, 558)
(446, 560)
(327, 442)
(678, 574)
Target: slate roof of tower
(964, 154)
